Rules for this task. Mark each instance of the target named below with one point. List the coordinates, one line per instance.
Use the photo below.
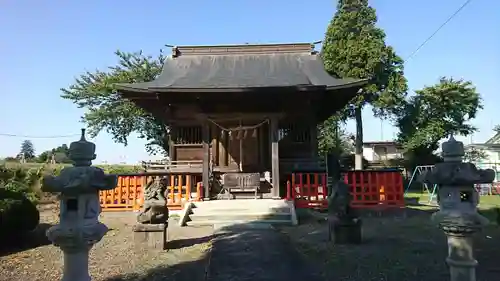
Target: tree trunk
(358, 158)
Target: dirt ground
(116, 257)
(401, 246)
(405, 246)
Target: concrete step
(265, 211)
(222, 211)
(248, 216)
(228, 204)
(242, 223)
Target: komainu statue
(155, 209)
(343, 222)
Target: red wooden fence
(309, 190)
(488, 188)
(128, 194)
(369, 189)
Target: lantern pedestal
(76, 265)
(461, 260)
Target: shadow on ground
(413, 201)
(254, 252)
(30, 240)
(244, 252)
(186, 271)
(188, 242)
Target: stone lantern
(79, 228)
(458, 200)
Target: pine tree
(354, 47)
(27, 150)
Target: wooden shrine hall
(242, 117)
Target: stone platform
(348, 232)
(153, 236)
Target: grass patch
(485, 201)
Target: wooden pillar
(205, 133)
(314, 138)
(216, 145)
(275, 161)
(260, 144)
(171, 144)
(225, 148)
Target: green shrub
(23, 180)
(120, 169)
(18, 215)
(27, 178)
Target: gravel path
(116, 257)
(257, 255)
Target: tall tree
(434, 113)
(475, 155)
(27, 150)
(333, 138)
(108, 111)
(355, 47)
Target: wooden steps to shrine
(245, 212)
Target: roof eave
(130, 88)
(123, 87)
(300, 88)
(357, 83)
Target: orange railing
(128, 194)
(369, 189)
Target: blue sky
(45, 44)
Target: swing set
(419, 170)
(483, 189)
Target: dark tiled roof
(240, 70)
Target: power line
(438, 29)
(38, 137)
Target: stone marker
(458, 200)
(343, 223)
(152, 221)
(79, 228)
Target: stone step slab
(249, 216)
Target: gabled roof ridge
(494, 139)
(243, 49)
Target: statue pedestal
(153, 236)
(348, 232)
